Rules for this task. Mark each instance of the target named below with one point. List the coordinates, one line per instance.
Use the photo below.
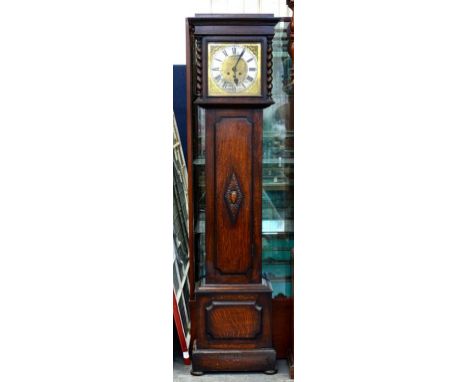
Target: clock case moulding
(231, 28)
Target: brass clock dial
(234, 69)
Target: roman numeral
(249, 78)
(225, 85)
(250, 59)
(215, 69)
(225, 53)
(218, 77)
(251, 69)
(233, 50)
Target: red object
(180, 331)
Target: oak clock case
(229, 76)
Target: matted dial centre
(232, 68)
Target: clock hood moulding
(237, 29)
(233, 24)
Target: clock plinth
(234, 328)
(230, 58)
(233, 360)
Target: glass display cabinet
(278, 172)
(277, 177)
(241, 191)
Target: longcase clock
(229, 83)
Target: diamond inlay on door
(233, 197)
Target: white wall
(187, 8)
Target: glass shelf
(266, 161)
(269, 227)
(278, 174)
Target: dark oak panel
(233, 157)
(282, 322)
(233, 195)
(233, 320)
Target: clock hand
(236, 81)
(240, 56)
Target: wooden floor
(181, 373)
